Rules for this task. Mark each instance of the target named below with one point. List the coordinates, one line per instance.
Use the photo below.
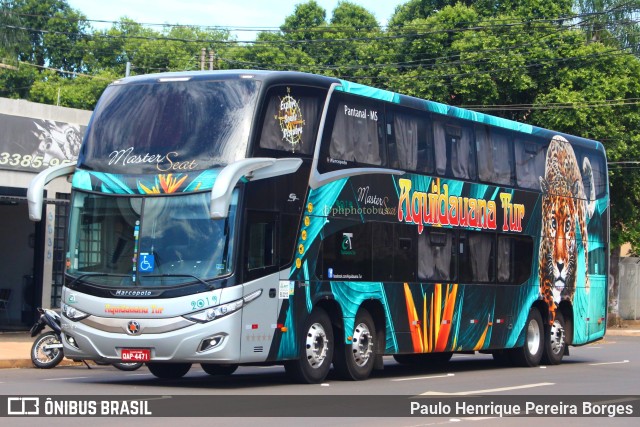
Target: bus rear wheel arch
(355, 360)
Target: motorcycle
(46, 351)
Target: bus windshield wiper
(94, 274)
(207, 284)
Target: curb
(26, 363)
(622, 332)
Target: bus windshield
(150, 241)
(140, 128)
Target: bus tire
(168, 370)
(530, 354)
(215, 369)
(554, 341)
(316, 350)
(355, 361)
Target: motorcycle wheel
(127, 366)
(43, 358)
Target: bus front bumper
(173, 339)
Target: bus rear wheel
(316, 350)
(355, 361)
(530, 354)
(169, 370)
(554, 341)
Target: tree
(306, 24)
(12, 40)
(349, 39)
(81, 92)
(56, 33)
(420, 9)
(611, 22)
(172, 49)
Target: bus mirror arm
(253, 170)
(35, 193)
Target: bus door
(260, 265)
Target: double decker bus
(254, 217)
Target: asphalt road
(606, 368)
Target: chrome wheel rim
(533, 337)
(556, 338)
(317, 345)
(362, 344)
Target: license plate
(135, 355)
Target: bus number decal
(201, 303)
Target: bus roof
(269, 77)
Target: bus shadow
(276, 377)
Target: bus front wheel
(355, 361)
(169, 370)
(530, 354)
(316, 350)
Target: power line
(506, 22)
(402, 35)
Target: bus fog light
(210, 342)
(72, 341)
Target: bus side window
(346, 253)
(598, 170)
(358, 132)
(515, 254)
(495, 156)
(410, 142)
(455, 153)
(261, 241)
(436, 255)
(530, 157)
(295, 109)
(476, 257)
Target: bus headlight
(73, 313)
(211, 313)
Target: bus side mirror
(35, 193)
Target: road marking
(488, 390)
(138, 375)
(608, 363)
(67, 378)
(425, 378)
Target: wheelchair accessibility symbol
(147, 263)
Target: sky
(227, 13)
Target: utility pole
(203, 52)
(211, 55)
